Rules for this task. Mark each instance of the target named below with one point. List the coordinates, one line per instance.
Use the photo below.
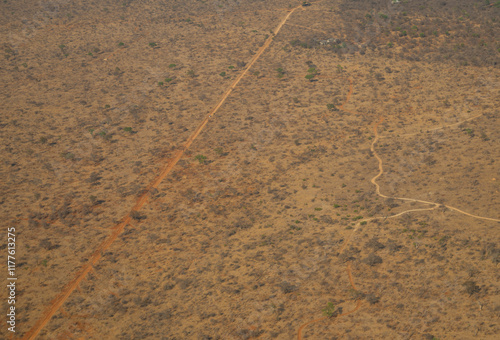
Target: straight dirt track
(115, 231)
(57, 303)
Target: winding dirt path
(381, 171)
(377, 190)
(81, 274)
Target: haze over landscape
(249, 169)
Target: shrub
(331, 107)
(329, 311)
(201, 158)
(312, 72)
(372, 259)
(372, 299)
(470, 132)
(68, 155)
(137, 216)
(471, 287)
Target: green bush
(329, 311)
(331, 107)
(281, 72)
(201, 158)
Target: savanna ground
(269, 212)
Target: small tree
(471, 287)
(331, 107)
(329, 311)
(201, 158)
(312, 72)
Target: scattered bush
(201, 158)
(137, 216)
(471, 287)
(329, 311)
(331, 107)
(372, 259)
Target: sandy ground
(271, 213)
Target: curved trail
(377, 189)
(81, 274)
(381, 171)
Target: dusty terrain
(252, 169)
